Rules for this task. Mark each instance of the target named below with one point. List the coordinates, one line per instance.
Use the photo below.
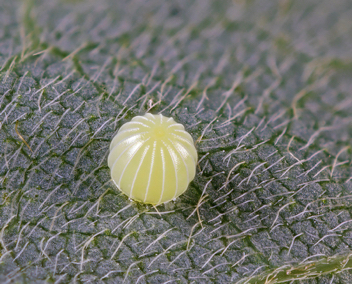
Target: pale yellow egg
(152, 159)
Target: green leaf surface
(264, 87)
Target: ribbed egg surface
(152, 159)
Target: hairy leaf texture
(264, 88)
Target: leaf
(262, 86)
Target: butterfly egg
(152, 159)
